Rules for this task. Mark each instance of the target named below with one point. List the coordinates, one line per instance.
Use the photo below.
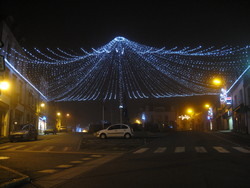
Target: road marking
(4, 157)
(50, 171)
(160, 150)
(200, 149)
(86, 159)
(31, 148)
(75, 162)
(64, 166)
(241, 149)
(66, 148)
(17, 147)
(96, 156)
(4, 147)
(221, 149)
(179, 149)
(48, 148)
(141, 150)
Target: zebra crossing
(197, 149)
(45, 148)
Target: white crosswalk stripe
(17, 147)
(221, 149)
(200, 149)
(48, 148)
(4, 147)
(31, 148)
(66, 148)
(179, 149)
(241, 149)
(142, 150)
(160, 150)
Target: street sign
(2, 63)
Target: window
(115, 127)
(124, 127)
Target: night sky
(75, 24)
(88, 25)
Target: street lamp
(190, 111)
(207, 106)
(4, 85)
(42, 105)
(217, 82)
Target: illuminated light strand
(26, 80)
(125, 68)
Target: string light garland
(123, 68)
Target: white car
(116, 130)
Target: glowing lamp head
(207, 105)
(190, 111)
(217, 82)
(4, 85)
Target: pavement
(9, 177)
(12, 178)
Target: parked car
(48, 131)
(116, 130)
(23, 132)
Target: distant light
(190, 111)
(217, 82)
(207, 105)
(121, 106)
(143, 117)
(138, 121)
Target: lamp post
(58, 122)
(190, 111)
(121, 110)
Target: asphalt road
(62, 156)
(182, 159)
(177, 159)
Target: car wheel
(103, 136)
(127, 136)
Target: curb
(22, 178)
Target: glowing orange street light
(190, 111)
(206, 105)
(217, 82)
(4, 85)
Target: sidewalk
(237, 134)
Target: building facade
(240, 108)
(159, 117)
(22, 102)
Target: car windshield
(22, 127)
